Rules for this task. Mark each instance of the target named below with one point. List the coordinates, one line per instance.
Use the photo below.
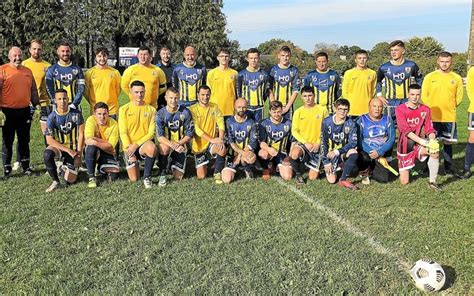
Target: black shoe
(434, 186)
(7, 172)
(465, 174)
(248, 174)
(30, 173)
(299, 180)
(450, 171)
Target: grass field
(250, 237)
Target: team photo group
(237, 124)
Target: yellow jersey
(136, 124)
(39, 73)
(152, 76)
(307, 123)
(223, 84)
(103, 85)
(442, 92)
(470, 89)
(358, 87)
(108, 132)
(205, 121)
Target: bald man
(242, 139)
(376, 138)
(188, 77)
(17, 92)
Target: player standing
(150, 75)
(469, 157)
(339, 145)
(137, 131)
(443, 91)
(223, 83)
(417, 138)
(242, 138)
(65, 75)
(65, 137)
(253, 86)
(275, 139)
(306, 130)
(174, 130)
(167, 66)
(208, 140)
(325, 81)
(103, 84)
(397, 75)
(188, 77)
(358, 85)
(17, 92)
(101, 134)
(284, 82)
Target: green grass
(248, 237)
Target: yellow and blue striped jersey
(326, 87)
(64, 128)
(284, 82)
(276, 135)
(174, 126)
(397, 79)
(188, 80)
(253, 86)
(70, 78)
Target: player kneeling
(414, 123)
(137, 130)
(208, 141)
(101, 134)
(339, 144)
(275, 139)
(68, 126)
(306, 130)
(242, 138)
(174, 129)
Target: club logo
(199, 71)
(181, 117)
(452, 81)
(249, 127)
(407, 69)
(153, 73)
(286, 128)
(75, 71)
(332, 77)
(260, 76)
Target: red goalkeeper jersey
(417, 121)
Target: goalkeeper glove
(433, 146)
(2, 118)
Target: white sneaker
(147, 182)
(366, 180)
(16, 166)
(162, 181)
(55, 185)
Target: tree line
(87, 24)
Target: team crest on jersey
(111, 75)
(286, 128)
(75, 117)
(153, 73)
(232, 77)
(45, 69)
(75, 71)
(452, 81)
(260, 76)
(181, 117)
(346, 129)
(292, 74)
(407, 69)
(332, 77)
(181, 72)
(269, 128)
(145, 114)
(199, 71)
(423, 114)
(249, 127)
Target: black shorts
(177, 161)
(106, 160)
(129, 164)
(446, 131)
(312, 160)
(203, 158)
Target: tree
(423, 47)
(330, 49)
(24, 20)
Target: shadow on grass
(450, 273)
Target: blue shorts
(392, 105)
(312, 160)
(446, 131)
(204, 157)
(256, 113)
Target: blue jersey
(397, 79)
(376, 135)
(174, 126)
(341, 137)
(188, 80)
(242, 134)
(326, 87)
(275, 135)
(253, 87)
(65, 128)
(70, 78)
(284, 82)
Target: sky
(348, 22)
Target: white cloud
(307, 14)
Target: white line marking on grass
(371, 241)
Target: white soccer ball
(428, 275)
